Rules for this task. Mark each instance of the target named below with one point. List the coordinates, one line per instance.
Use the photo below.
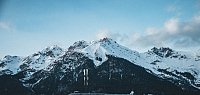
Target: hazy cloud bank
(174, 33)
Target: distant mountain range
(101, 66)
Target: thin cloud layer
(6, 27)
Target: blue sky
(27, 26)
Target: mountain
(101, 66)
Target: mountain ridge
(180, 68)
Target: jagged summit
(169, 53)
(52, 51)
(9, 57)
(37, 61)
(98, 50)
(10, 64)
(78, 45)
(108, 40)
(83, 44)
(162, 51)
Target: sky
(28, 26)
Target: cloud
(173, 33)
(103, 33)
(175, 8)
(7, 27)
(172, 8)
(172, 25)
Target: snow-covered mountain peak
(9, 57)
(167, 52)
(107, 40)
(42, 59)
(9, 64)
(52, 51)
(37, 61)
(98, 50)
(78, 45)
(163, 51)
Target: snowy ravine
(162, 62)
